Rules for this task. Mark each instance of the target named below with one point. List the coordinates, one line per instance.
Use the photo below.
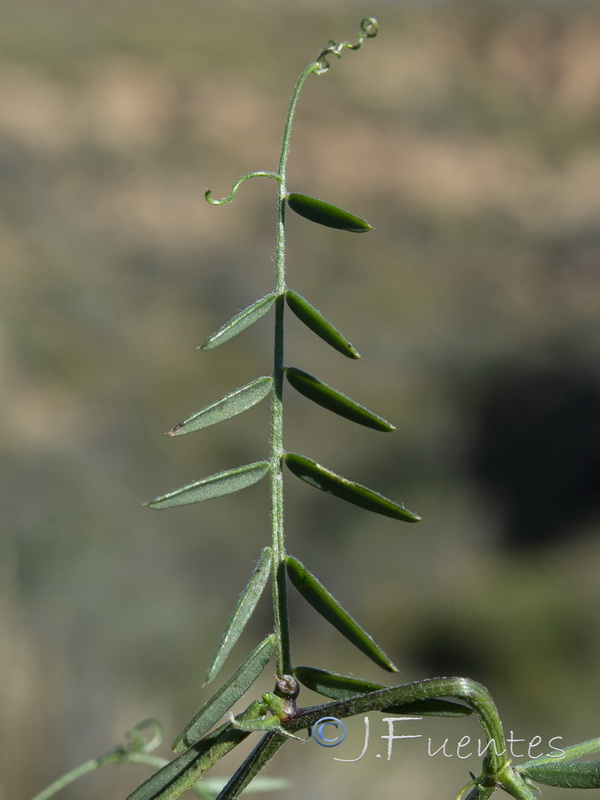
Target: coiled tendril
(225, 200)
(369, 28)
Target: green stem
(314, 67)
(514, 785)
(280, 604)
(472, 693)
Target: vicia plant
(276, 717)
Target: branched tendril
(369, 27)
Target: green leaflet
(227, 482)
(314, 320)
(335, 401)
(326, 214)
(267, 783)
(243, 778)
(240, 322)
(329, 608)
(233, 403)
(565, 774)
(341, 687)
(327, 481)
(226, 695)
(176, 777)
(241, 613)
(569, 753)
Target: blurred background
(468, 135)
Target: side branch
(471, 692)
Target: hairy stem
(280, 605)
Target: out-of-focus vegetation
(468, 134)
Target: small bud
(288, 685)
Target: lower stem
(280, 606)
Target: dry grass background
(468, 134)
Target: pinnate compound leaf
(342, 687)
(329, 608)
(240, 322)
(229, 693)
(326, 214)
(229, 406)
(241, 613)
(328, 481)
(335, 401)
(314, 320)
(565, 774)
(227, 482)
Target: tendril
(224, 200)
(137, 742)
(369, 28)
